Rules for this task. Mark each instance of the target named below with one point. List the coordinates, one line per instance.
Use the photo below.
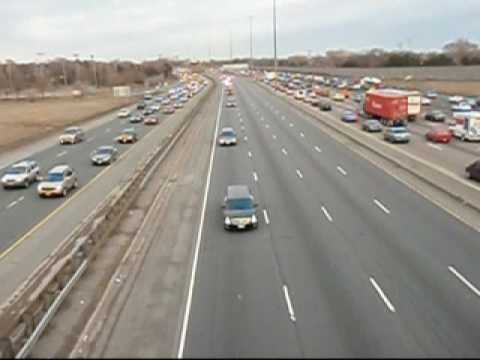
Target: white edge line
(464, 280)
(265, 215)
(382, 295)
(188, 305)
(289, 303)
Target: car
(59, 181)
(135, 119)
(426, 101)
(472, 102)
(150, 120)
(358, 98)
(147, 97)
(397, 134)
(338, 97)
(141, 106)
(128, 135)
(169, 110)
(178, 105)
(72, 135)
(21, 174)
(473, 170)
(124, 113)
(184, 99)
(166, 102)
(461, 107)
(455, 99)
(148, 111)
(349, 116)
(431, 95)
(159, 99)
(435, 116)
(104, 155)
(227, 137)
(325, 106)
(300, 94)
(155, 107)
(441, 135)
(231, 104)
(239, 208)
(372, 125)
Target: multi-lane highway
(32, 227)
(347, 261)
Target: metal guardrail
(25, 315)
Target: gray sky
(143, 29)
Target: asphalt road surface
(346, 261)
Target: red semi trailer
(390, 106)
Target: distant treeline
(459, 52)
(16, 77)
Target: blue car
(349, 116)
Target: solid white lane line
(302, 135)
(245, 138)
(464, 280)
(299, 174)
(274, 137)
(62, 154)
(341, 170)
(317, 149)
(255, 176)
(382, 295)
(284, 151)
(327, 214)
(265, 215)
(381, 206)
(289, 303)
(250, 154)
(435, 146)
(291, 125)
(188, 305)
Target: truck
(467, 126)
(414, 104)
(390, 106)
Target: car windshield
(71, 131)
(398, 130)
(239, 204)
(55, 177)
(228, 134)
(16, 170)
(104, 151)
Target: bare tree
(460, 50)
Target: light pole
(94, 70)
(77, 68)
(231, 46)
(275, 62)
(64, 70)
(251, 42)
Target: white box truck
(467, 126)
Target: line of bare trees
(459, 52)
(17, 77)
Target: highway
(36, 226)
(347, 261)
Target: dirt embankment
(23, 121)
(467, 88)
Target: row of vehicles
(62, 178)
(390, 110)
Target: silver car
(72, 135)
(21, 174)
(104, 155)
(59, 181)
(227, 137)
(398, 134)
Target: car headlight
(254, 219)
(228, 221)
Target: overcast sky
(144, 29)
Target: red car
(439, 135)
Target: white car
(426, 101)
(461, 107)
(455, 99)
(21, 174)
(300, 95)
(124, 113)
(59, 181)
(72, 135)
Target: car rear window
(55, 177)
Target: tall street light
(251, 42)
(275, 63)
(94, 70)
